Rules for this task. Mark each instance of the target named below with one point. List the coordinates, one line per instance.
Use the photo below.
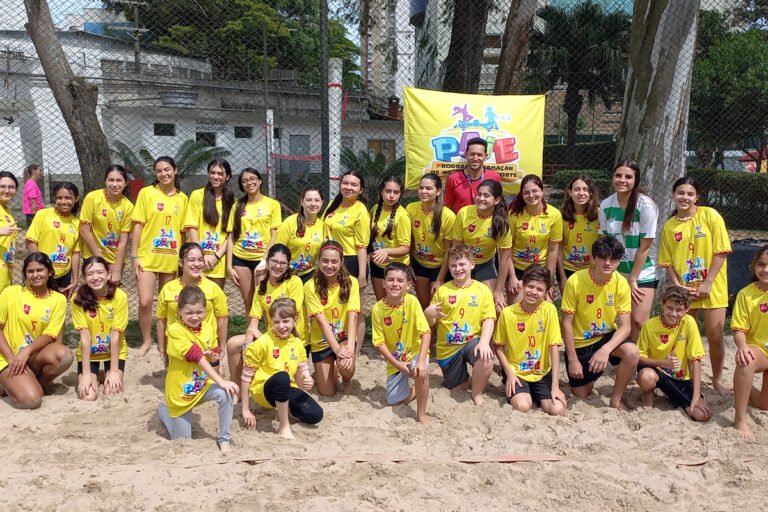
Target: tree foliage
(230, 35)
(191, 157)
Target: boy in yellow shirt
(596, 306)
(670, 355)
(465, 316)
(527, 342)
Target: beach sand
(113, 454)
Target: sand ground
(113, 454)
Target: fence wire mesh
(241, 80)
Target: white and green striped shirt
(644, 220)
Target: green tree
(191, 157)
(373, 169)
(583, 49)
(729, 96)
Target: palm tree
(373, 169)
(191, 157)
(583, 49)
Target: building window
(209, 138)
(243, 132)
(298, 145)
(165, 130)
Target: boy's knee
(646, 380)
(483, 365)
(313, 415)
(629, 354)
(27, 399)
(522, 405)
(582, 391)
(281, 379)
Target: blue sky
(60, 8)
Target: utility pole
(135, 33)
(325, 136)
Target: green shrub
(602, 179)
(740, 197)
(593, 155)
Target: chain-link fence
(242, 80)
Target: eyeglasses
(278, 263)
(250, 181)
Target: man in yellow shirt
(596, 307)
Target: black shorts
(424, 272)
(485, 271)
(455, 372)
(318, 357)
(679, 392)
(306, 277)
(64, 281)
(95, 366)
(569, 273)
(250, 264)
(539, 390)
(585, 354)
(376, 271)
(518, 273)
(353, 266)
(649, 284)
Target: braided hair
(380, 206)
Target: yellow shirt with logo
(531, 235)
(303, 248)
(291, 288)
(657, 340)
(688, 247)
(400, 236)
(750, 314)
(475, 231)
(350, 226)
(185, 382)
(269, 355)
(7, 249)
(57, 236)
(256, 225)
(209, 237)
(162, 218)
(429, 249)
(215, 303)
(110, 315)
(399, 328)
(108, 221)
(578, 237)
(465, 310)
(334, 310)
(24, 317)
(527, 338)
(595, 307)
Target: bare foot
(225, 447)
(285, 432)
(144, 348)
(424, 420)
(478, 400)
(743, 429)
(620, 405)
(720, 388)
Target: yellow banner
(439, 124)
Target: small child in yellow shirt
(670, 355)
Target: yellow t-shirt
(350, 226)
(750, 314)
(657, 340)
(209, 237)
(527, 338)
(475, 231)
(291, 288)
(334, 310)
(303, 249)
(107, 220)
(25, 317)
(531, 235)
(465, 310)
(595, 307)
(429, 250)
(400, 236)
(688, 246)
(110, 315)
(7, 249)
(185, 382)
(256, 223)
(162, 217)
(399, 328)
(215, 303)
(57, 236)
(577, 241)
(269, 355)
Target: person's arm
(561, 278)
(222, 325)
(483, 348)
(230, 267)
(387, 355)
(245, 405)
(351, 345)
(505, 262)
(116, 271)
(75, 274)
(362, 262)
(327, 331)
(670, 362)
(86, 383)
(422, 366)
(637, 266)
(744, 355)
(252, 332)
(227, 385)
(553, 255)
(512, 381)
(113, 383)
(574, 366)
(160, 328)
(599, 360)
(554, 360)
(717, 264)
(694, 367)
(86, 234)
(32, 246)
(18, 363)
(135, 239)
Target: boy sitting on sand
(670, 355)
(465, 316)
(596, 307)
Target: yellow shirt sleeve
(570, 296)
(120, 322)
(86, 212)
(354, 297)
(192, 215)
(362, 227)
(58, 313)
(231, 220)
(624, 296)
(277, 218)
(140, 210)
(126, 223)
(377, 326)
(33, 233)
(501, 335)
(694, 347)
(78, 318)
(456, 231)
(643, 342)
(556, 230)
(740, 320)
(665, 254)
(505, 240)
(162, 309)
(219, 300)
(487, 308)
(403, 228)
(254, 354)
(552, 334)
(721, 243)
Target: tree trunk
(572, 107)
(465, 54)
(654, 125)
(75, 96)
(510, 75)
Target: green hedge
(593, 155)
(740, 197)
(602, 179)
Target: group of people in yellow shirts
(482, 277)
